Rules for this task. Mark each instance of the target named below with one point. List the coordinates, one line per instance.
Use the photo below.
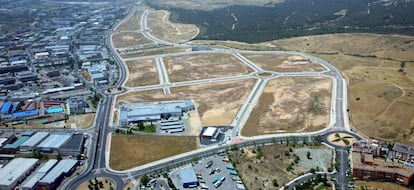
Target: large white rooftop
(64, 166)
(210, 131)
(14, 169)
(55, 140)
(35, 139)
(33, 179)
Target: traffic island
(98, 183)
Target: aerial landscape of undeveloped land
(133, 23)
(209, 5)
(283, 62)
(380, 72)
(293, 104)
(202, 66)
(162, 28)
(259, 167)
(129, 151)
(217, 103)
(127, 39)
(141, 73)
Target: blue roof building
(5, 108)
(188, 178)
(17, 143)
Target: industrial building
(55, 176)
(53, 142)
(153, 111)
(210, 133)
(33, 141)
(15, 171)
(188, 178)
(403, 152)
(31, 181)
(73, 147)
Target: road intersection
(98, 154)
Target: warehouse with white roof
(53, 142)
(15, 171)
(33, 141)
(32, 180)
(55, 176)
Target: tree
(59, 156)
(144, 180)
(274, 182)
(308, 155)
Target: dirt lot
(259, 173)
(292, 104)
(370, 63)
(374, 185)
(283, 62)
(159, 23)
(201, 66)
(81, 121)
(155, 51)
(129, 151)
(133, 23)
(141, 73)
(127, 39)
(217, 103)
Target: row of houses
(372, 160)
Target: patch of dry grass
(375, 185)
(293, 104)
(202, 66)
(163, 28)
(81, 121)
(133, 23)
(129, 151)
(141, 73)
(127, 39)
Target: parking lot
(215, 171)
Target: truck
(209, 163)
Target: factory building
(73, 147)
(188, 178)
(31, 181)
(15, 171)
(55, 176)
(210, 133)
(33, 141)
(53, 142)
(153, 111)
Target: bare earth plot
(371, 63)
(81, 121)
(259, 173)
(155, 51)
(129, 151)
(374, 185)
(127, 39)
(141, 73)
(202, 66)
(217, 103)
(163, 28)
(284, 62)
(133, 23)
(292, 104)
